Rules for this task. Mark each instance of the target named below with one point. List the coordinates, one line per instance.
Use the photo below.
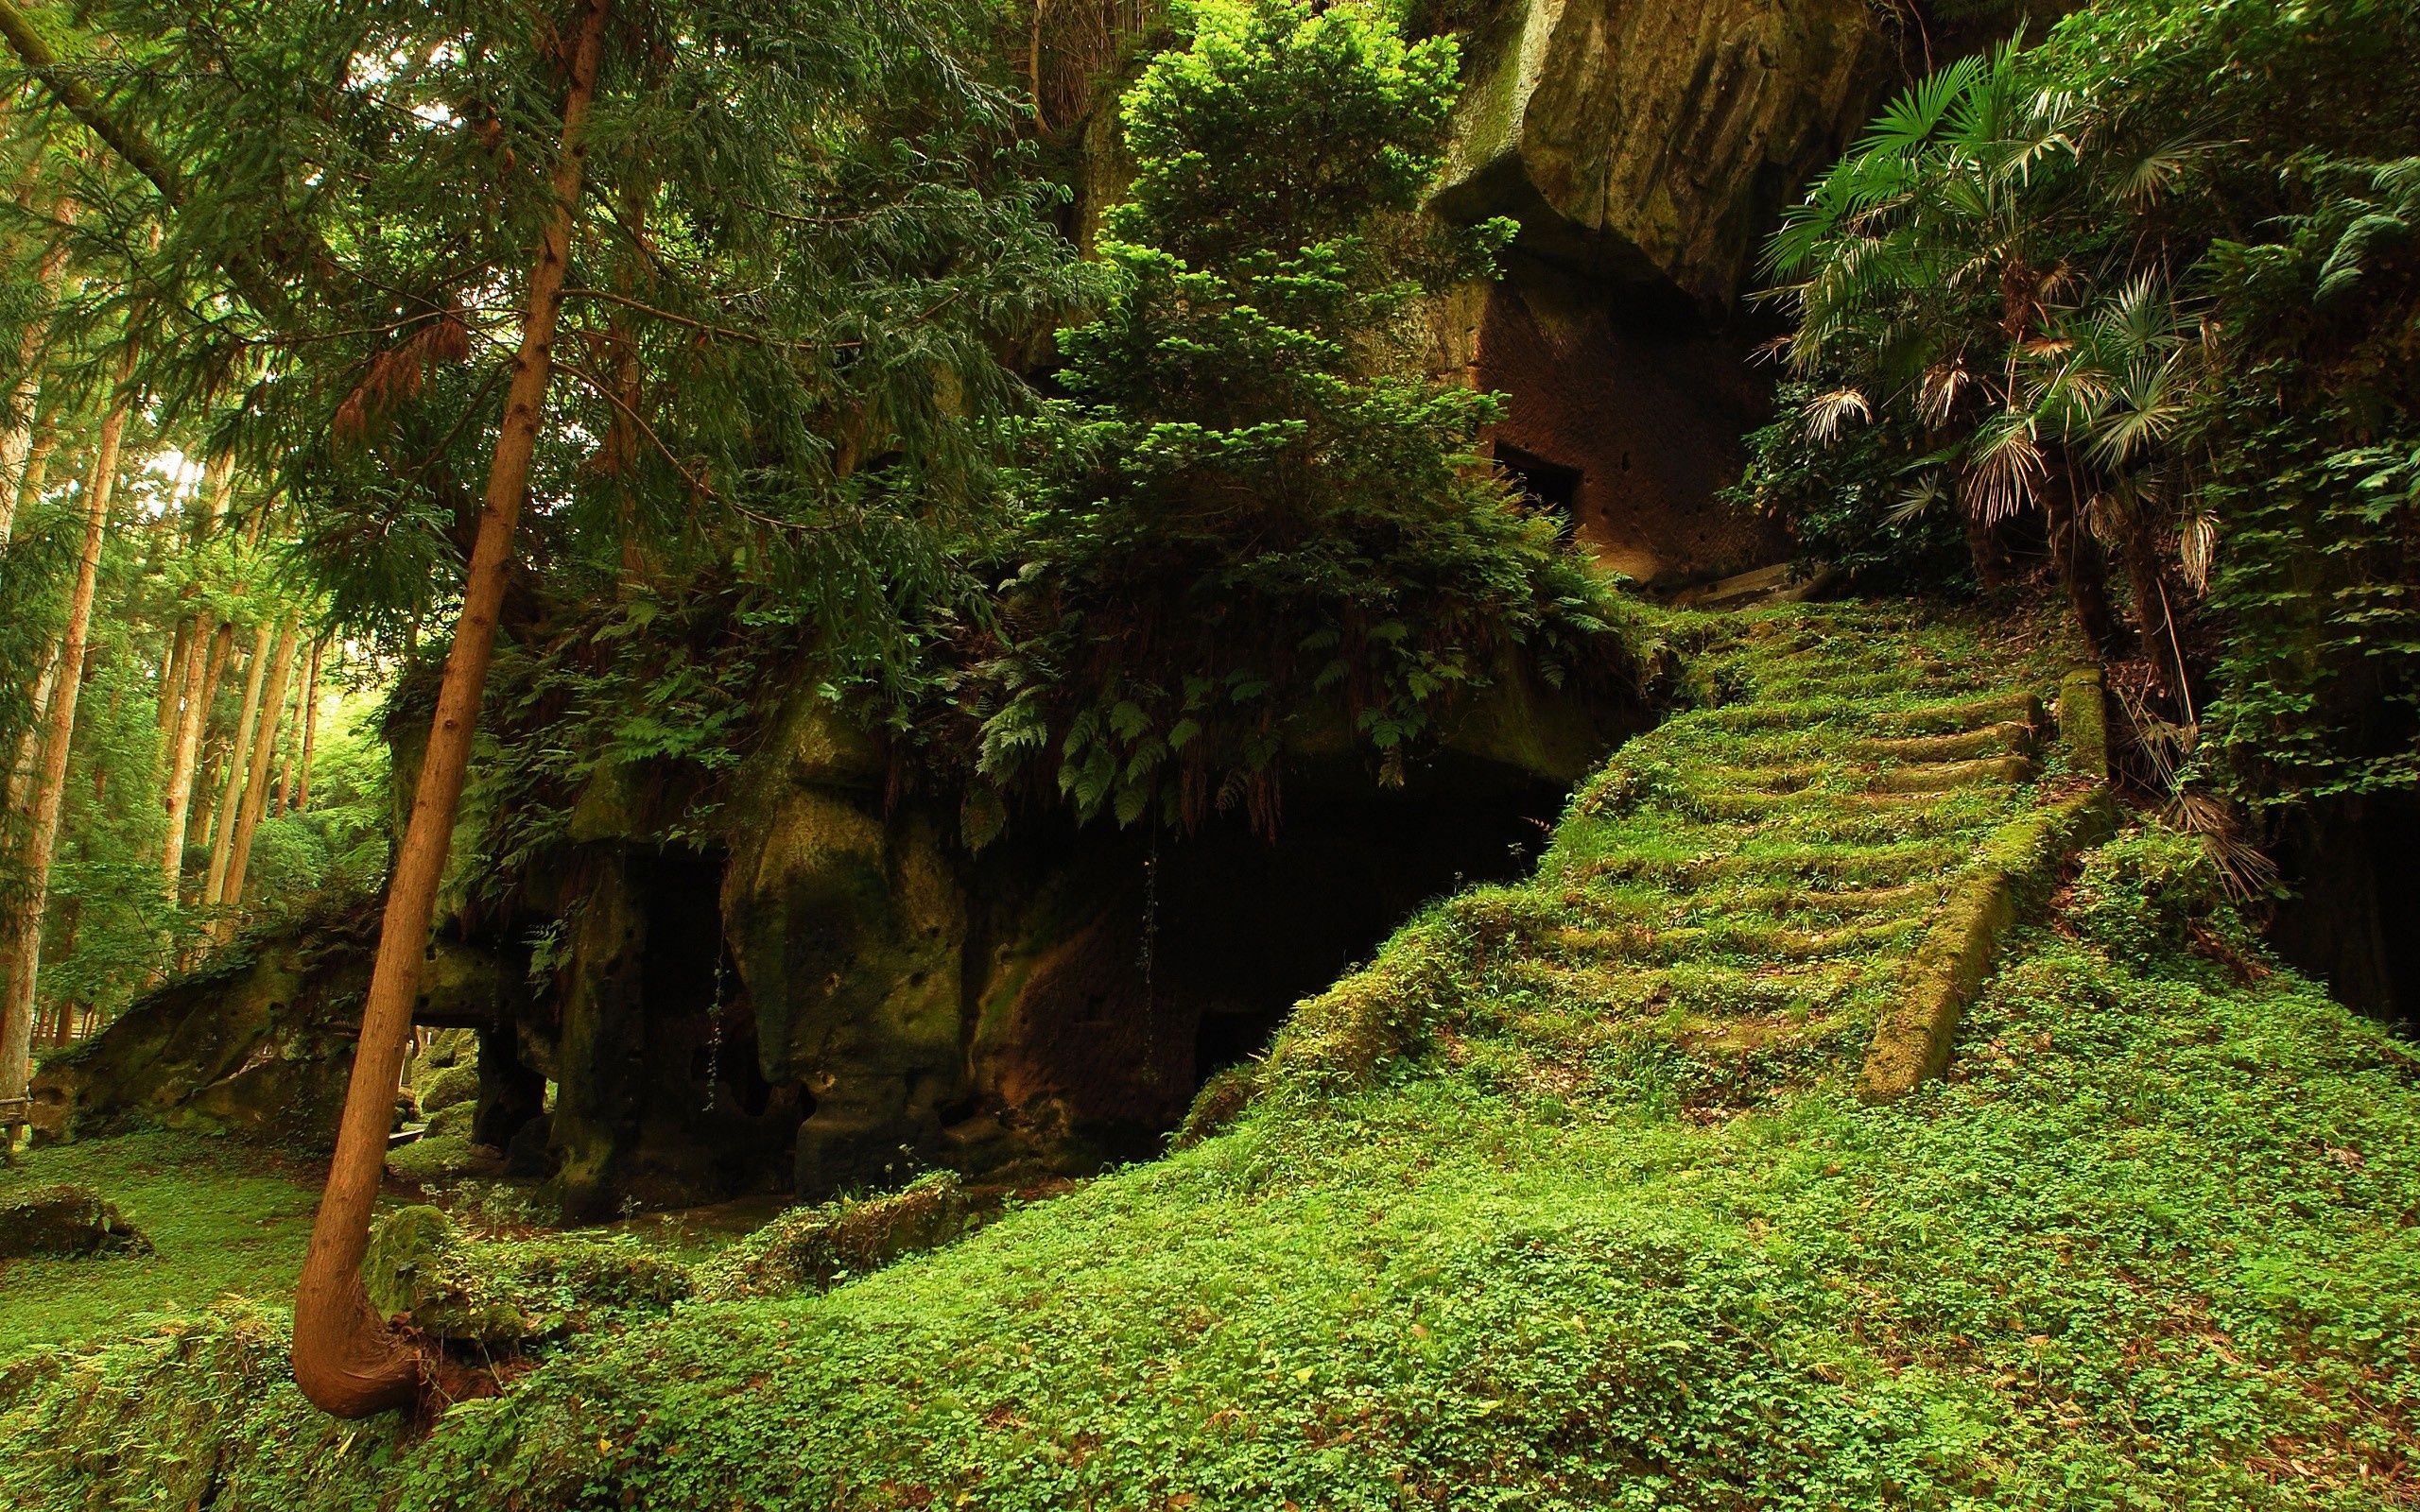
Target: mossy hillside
(2145, 1245)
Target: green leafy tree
(1246, 524)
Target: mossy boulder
(449, 1086)
(810, 1248)
(258, 1042)
(424, 1272)
(65, 1220)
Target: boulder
(65, 1220)
(445, 1089)
(257, 1043)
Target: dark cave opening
(2353, 866)
(1194, 948)
(1241, 928)
(1548, 487)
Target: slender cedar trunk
(310, 726)
(239, 757)
(16, 820)
(185, 746)
(2162, 647)
(248, 821)
(201, 687)
(50, 783)
(200, 821)
(16, 443)
(346, 1359)
(37, 471)
(172, 687)
(281, 802)
(2080, 567)
(20, 771)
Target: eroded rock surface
(1654, 141)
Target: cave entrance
(1243, 928)
(1548, 486)
(1192, 949)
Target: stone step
(2009, 736)
(1943, 777)
(1958, 718)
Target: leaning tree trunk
(247, 818)
(50, 782)
(239, 760)
(346, 1359)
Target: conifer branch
(121, 139)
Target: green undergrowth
(1478, 1239)
(220, 1220)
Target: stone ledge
(1911, 1045)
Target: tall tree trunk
(37, 471)
(240, 758)
(16, 818)
(185, 749)
(50, 784)
(172, 686)
(281, 801)
(256, 784)
(345, 1357)
(310, 726)
(16, 442)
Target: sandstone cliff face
(1645, 146)
(1057, 999)
(1654, 140)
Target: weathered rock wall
(1654, 142)
(1645, 148)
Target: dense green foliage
(2152, 279)
(1250, 526)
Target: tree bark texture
(247, 818)
(16, 443)
(310, 726)
(346, 1359)
(2080, 567)
(50, 782)
(184, 746)
(172, 682)
(37, 473)
(240, 760)
(2162, 647)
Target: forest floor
(221, 1218)
(1566, 1200)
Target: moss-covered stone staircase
(1801, 876)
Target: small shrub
(2141, 895)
